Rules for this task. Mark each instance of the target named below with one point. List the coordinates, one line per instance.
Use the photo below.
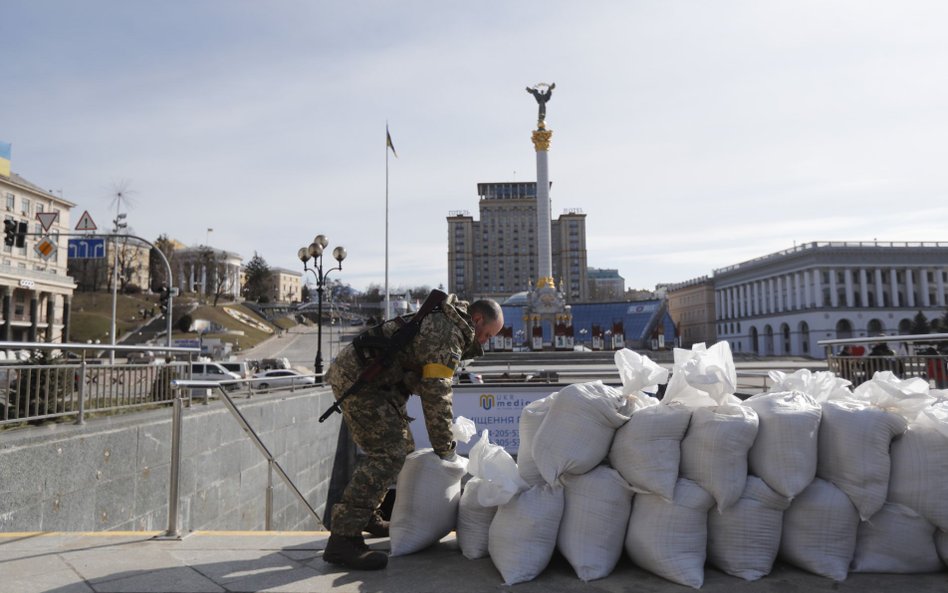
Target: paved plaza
(211, 562)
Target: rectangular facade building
(496, 256)
(784, 303)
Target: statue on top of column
(542, 93)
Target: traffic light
(21, 229)
(9, 232)
(165, 295)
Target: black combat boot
(377, 526)
(350, 551)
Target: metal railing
(185, 388)
(48, 381)
(921, 355)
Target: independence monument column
(546, 305)
(541, 141)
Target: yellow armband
(436, 371)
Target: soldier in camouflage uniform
(378, 421)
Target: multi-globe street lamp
(315, 252)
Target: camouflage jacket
(424, 367)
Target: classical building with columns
(36, 291)
(784, 303)
(208, 271)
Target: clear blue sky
(694, 135)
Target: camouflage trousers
(378, 423)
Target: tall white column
(880, 289)
(834, 293)
(755, 301)
(894, 287)
(909, 287)
(779, 283)
(772, 296)
(863, 288)
(807, 296)
(818, 287)
(848, 279)
(923, 287)
(541, 141)
(940, 286)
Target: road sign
(86, 248)
(45, 248)
(85, 222)
(47, 219)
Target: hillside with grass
(229, 322)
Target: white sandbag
(853, 451)
(669, 538)
(703, 376)
(896, 540)
(646, 450)
(819, 531)
(498, 469)
(714, 450)
(743, 541)
(784, 453)
(821, 386)
(906, 397)
(530, 419)
(577, 432)
(638, 373)
(426, 505)
(919, 476)
(941, 542)
(474, 521)
(595, 519)
(523, 533)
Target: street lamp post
(315, 251)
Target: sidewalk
(291, 562)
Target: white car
(281, 378)
(212, 371)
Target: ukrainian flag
(5, 148)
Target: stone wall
(113, 473)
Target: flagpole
(387, 309)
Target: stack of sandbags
(919, 478)
(523, 534)
(669, 538)
(531, 417)
(856, 434)
(714, 450)
(577, 431)
(819, 531)
(426, 507)
(784, 455)
(896, 540)
(744, 540)
(596, 512)
(496, 480)
(646, 450)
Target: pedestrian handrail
(39, 380)
(920, 355)
(185, 388)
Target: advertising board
(496, 408)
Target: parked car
(282, 378)
(213, 371)
(241, 367)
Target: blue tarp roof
(634, 316)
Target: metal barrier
(923, 356)
(185, 388)
(48, 381)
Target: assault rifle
(402, 336)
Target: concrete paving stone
(248, 570)
(291, 562)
